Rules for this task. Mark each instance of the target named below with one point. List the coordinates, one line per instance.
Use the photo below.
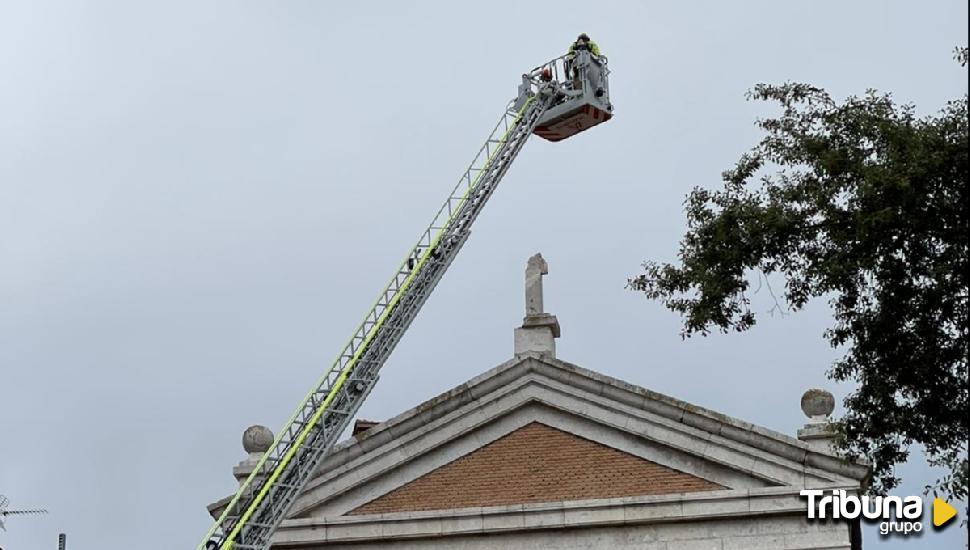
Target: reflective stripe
(345, 373)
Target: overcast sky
(199, 200)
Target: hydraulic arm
(263, 499)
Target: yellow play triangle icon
(942, 512)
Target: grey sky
(198, 200)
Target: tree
(864, 204)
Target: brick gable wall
(536, 463)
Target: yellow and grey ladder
(263, 499)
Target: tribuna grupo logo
(896, 514)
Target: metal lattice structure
(264, 498)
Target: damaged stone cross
(539, 329)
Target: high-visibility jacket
(592, 47)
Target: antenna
(4, 512)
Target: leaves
(864, 204)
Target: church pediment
(667, 445)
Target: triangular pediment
(501, 439)
(720, 451)
(535, 463)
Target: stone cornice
(686, 507)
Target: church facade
(539, 453)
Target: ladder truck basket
(584, 94)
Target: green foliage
(864, 204)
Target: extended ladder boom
(266, 496)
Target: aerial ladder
(556, 100)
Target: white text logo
(897, 514)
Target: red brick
(536, 463)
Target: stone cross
(534, 271)
(539, 329)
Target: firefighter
(584, 43)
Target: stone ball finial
(817, 403)
(257, 439)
